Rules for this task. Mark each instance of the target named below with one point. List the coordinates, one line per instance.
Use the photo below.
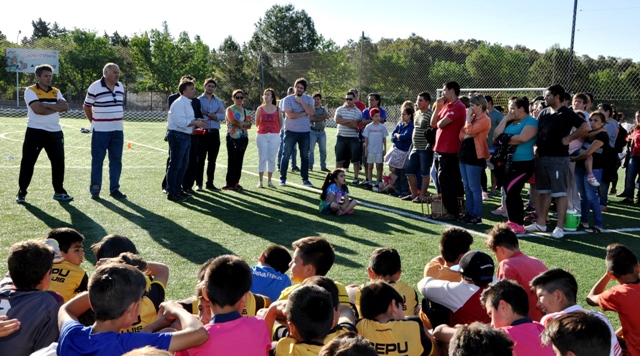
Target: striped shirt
(106, 106)
(422, 122)
(51, 95)
(348, 114)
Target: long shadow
(172, 236)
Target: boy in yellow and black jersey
(386, 327)
(384, 264)
(67, 277)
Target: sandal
(408, 197)
(270, 185)
(593, 229)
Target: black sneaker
(118, 194)
(21, 197)
(62, 197)
(184, 194)
(210, 186)
(474, 220)
(176, 197)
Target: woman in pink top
(268, 138)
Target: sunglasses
(348, 99)
(239, 97)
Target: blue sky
(608, 28)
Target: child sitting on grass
(67, 277)
(269, 276)
(334, 198)
(115, 290)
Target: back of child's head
(29, 261)
(66, 237)
(310, 310)
(316, 251)
(277, 257)
(454, 242)
(112, 246)
(582, 333)
(501, 235)
(478, 339)
(227, 280)
(349, 344)
(375, 298)
(112, 289)
(557, 279)
(148, 351)
(131, 259)
(327, 284)
(510, 292)
(203, 269)
(385, 262)
(620, 260)
(330, 179)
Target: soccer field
(244, 223)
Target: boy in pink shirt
(226, 286)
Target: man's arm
(580, 132)
(346, 122)
(88, 113)
(317, 118)
(308, 108)
(593, 298)
(73, 308)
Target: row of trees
(285, 46)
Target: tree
(284, 30)
(330, 71)
(497, 67)
(445, 71)
(40, 29)
(56, 31)
(231, 68)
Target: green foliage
(443, 71)
(498, 67)
(284, 30)
(330, 71)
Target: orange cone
(128, 144)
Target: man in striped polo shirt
(45, 103)
(348, 117)
(103, 106)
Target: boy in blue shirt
(114, 295)
(269, 276)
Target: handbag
(397, 158)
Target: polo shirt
(353, 114)
(46, 96)
(447, 139)
(106, 106)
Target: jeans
(633, 170)
(589, 199)
(179, 147)
(267, 149)
(321, 138)
(450, 181)
(290, 140)
(208, 149)
(472, 188)
(434, 174)
(294, 159)
(53, 143)
(101, 142)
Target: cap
(477, 266)
(57, 258)
(374, 111)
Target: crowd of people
(465, 304)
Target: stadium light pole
(573, 33)
(17, 74)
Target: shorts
(551, 176)
(419, 159)
(325, 207)
(348, 148)
(374, 158)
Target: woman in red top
(472, 157)
(268, 138)
(633, 170)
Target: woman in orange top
(472, 157)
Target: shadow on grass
(91, 230)
(192, 247)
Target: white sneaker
(593, 181)
(535, 228)
(557, 233)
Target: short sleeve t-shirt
(422, 122)
(396, 337)
(319, 125)
(366, 114)
(375, 135)
(339, 193)
(598, 157)
(623, 299)
(235, 114)
(348, 114)
(552, 128)
(301, 124)
(68, 280)
(49, 96)
(524, 151)
(447, 139)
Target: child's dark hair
(620, 260)
(557, 279)
(578, 332)
(310, 310)
(385, 262)
(29, 261)
(113, 245)
(376, 297)
(502, 235)
(227, 279)
(330, 179)
(112, 289)
(316, 251)
(349, 344)
(327, 284)
(454, 242)
(277, 257)
(66, 237)
(508, 291)
(203, 269)
(478, 339)
(131, 259)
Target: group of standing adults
(103, 107)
